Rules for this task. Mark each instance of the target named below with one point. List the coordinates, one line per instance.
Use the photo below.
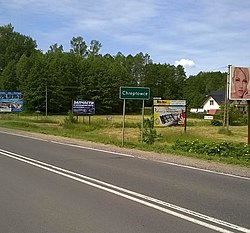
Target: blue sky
(201, 35)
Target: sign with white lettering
(134, 93)
(11, 101)
(83, 107)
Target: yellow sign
(169, 112)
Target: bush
(225, 131)
(70, 119)
(223, 149)
(149, 133)
(216, 122)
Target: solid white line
(127, 155)
(68, 144)
(70, 174)
(205, 170)
(94, 149)
(24, 136)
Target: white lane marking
(127, 155)
(205, 170)
(68, 144)
(24, 136)
(98, 184)
(94, 149)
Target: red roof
(212, 111)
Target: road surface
(54, 187)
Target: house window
(211, 102)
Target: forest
(85, 73)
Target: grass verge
(103, 130)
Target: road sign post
(133, 93)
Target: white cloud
(185, 63)
(213, 33)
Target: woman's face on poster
(240, 83)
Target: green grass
(99, 129)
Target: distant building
(213, 102)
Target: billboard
(11, 101)
(239, 85)
(83, 107)
(169, 112)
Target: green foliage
(83, 73)
(216, 122)
(44, 120)
(70, 119)
(197, 87)
(149, 133)
(171, 141)
(19, 124)
(78, 46)
(159, 77)
(13, 45)
(225, 131)
(223, 149)
(236, 117)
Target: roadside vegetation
(50, 80)
(202, 139)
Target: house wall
(207, 105)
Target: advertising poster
(169, 113)
(83, 107)
(239, 85)
(11, 101)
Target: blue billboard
(83, 107)
(11, 101)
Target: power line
(218, 68)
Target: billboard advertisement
(169, 113)
(239, 85)
(83, 107)
(11, 101)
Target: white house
(213, 101)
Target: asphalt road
(53, 187)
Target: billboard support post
(185, 120)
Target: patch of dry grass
(198, 128)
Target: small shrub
(70, 119)
(239, 151)
(216, 122)
(44, 120)
(225, 131)
(149, 133)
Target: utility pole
(226, 109)
(46, 99)
(228, 103)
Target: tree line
(85, 73)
